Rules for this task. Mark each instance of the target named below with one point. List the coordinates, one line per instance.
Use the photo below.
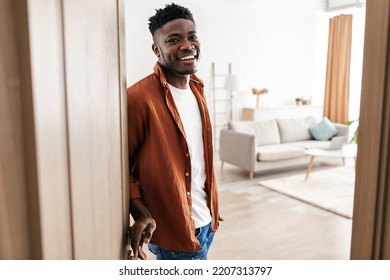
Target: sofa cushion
(278, 152)
(266, 132)
(295, 129)
(311, 144)
(324, 130)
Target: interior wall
(71, 135)
(252, 35)
(280, 45)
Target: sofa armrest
(342, 129)
(238, 149)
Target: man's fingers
(136, 236)
(141, 254)
(138, 251)
(141, 232)
(139, 235)
(149, 232)
(135, 252)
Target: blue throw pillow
(324, 130)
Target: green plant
(354, 138)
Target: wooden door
(63, 169)
(371, 224)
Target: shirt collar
(160, 73)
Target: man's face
(177, 46)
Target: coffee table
(348, 151)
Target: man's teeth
(188, 57)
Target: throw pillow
(324, 130)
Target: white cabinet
(249, 114)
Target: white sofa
(270, 144)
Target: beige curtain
(336, 101)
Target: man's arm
(143, 228)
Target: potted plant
(298, 100)
(354, 139)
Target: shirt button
(187, 174)
(188, 193)
(187, 154)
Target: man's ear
(156, 49)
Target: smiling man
(173, 191)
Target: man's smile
(188, 57)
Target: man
(173, 191)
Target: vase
(258, 102)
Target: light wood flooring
(263, 224)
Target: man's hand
(141, 232)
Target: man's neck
(176, 80)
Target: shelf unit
(251, 114)
(221, 101)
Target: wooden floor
(263, 224)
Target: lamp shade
(233, 82)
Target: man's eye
(194, 38)
(173, 40)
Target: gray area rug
(330, 189)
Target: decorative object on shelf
(302, 101)
(233, 83)
(298, 100)
(258, 93)
(306, 101)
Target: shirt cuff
(134, 190)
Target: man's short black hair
(168, 13)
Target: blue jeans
(205, 237)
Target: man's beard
(189, 72)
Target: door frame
(371, 225)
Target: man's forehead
(180, 24)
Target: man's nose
(187, 45)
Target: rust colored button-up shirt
(160, 166)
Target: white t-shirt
(190, 116)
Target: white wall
(280, 45)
